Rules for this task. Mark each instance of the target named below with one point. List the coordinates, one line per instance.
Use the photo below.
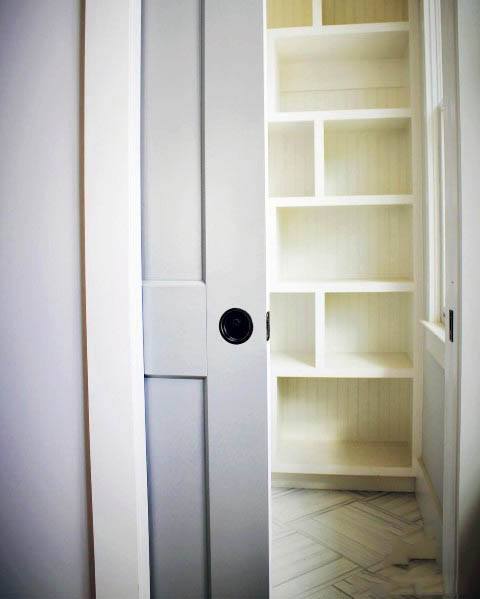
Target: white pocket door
(203, 254)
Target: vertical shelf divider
(272, 237)
(416, 175)
(319, 160)
(319, 328)
(317, 13)
(272, 77)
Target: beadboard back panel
(293, 322)
(368, 322)
(354, 242)
(344, 409)
(342, 12)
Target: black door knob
(236, 326)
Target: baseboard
(430, 507)
(344, 483)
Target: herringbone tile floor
(338, 544)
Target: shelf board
(344, 286)
(343, 365)
(360, 114)
(350, 200)
(354, 29)
(347, 458)
(292, 364)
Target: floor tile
(295, 554)
(403, 505)
(345, 544)
(278, 530)
(337, 545)
(308, 582)
(305, 502)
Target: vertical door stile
(235, 275)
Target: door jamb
(435, 44)
(113, 298)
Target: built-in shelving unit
(342, 209)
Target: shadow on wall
(469, 556)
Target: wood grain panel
(355, 242)
(365, 160)
(293, 323)
(353, 410)
(336, 84)
(289, 13)
(368, 322)
(291, 159)
(342, 12)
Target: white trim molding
(113, 298)
(435, 341)
(433, 99)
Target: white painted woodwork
(343, 365)
(346, 200)
(113, 298)
(344, 458)
(343, 286)
(363, 114)
(344, 246)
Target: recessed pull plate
(236, 326)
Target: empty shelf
(343, 458)
(344, 286)
(347, 200)
(343, 365)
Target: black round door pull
(236, 326)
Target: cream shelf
(343, 458)
(340, 115)
(344, 286)
(348, 200)
(362, 36)
(343, 204)
(342, 365)
(340, 67)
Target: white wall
(43, 496)
(468, 40)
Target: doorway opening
(350, 495)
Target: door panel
(171, 136)
(177, 499)
(204, 252)
(174, 328)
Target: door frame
(113, 297)
(439, 84)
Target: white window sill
(435, 341)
